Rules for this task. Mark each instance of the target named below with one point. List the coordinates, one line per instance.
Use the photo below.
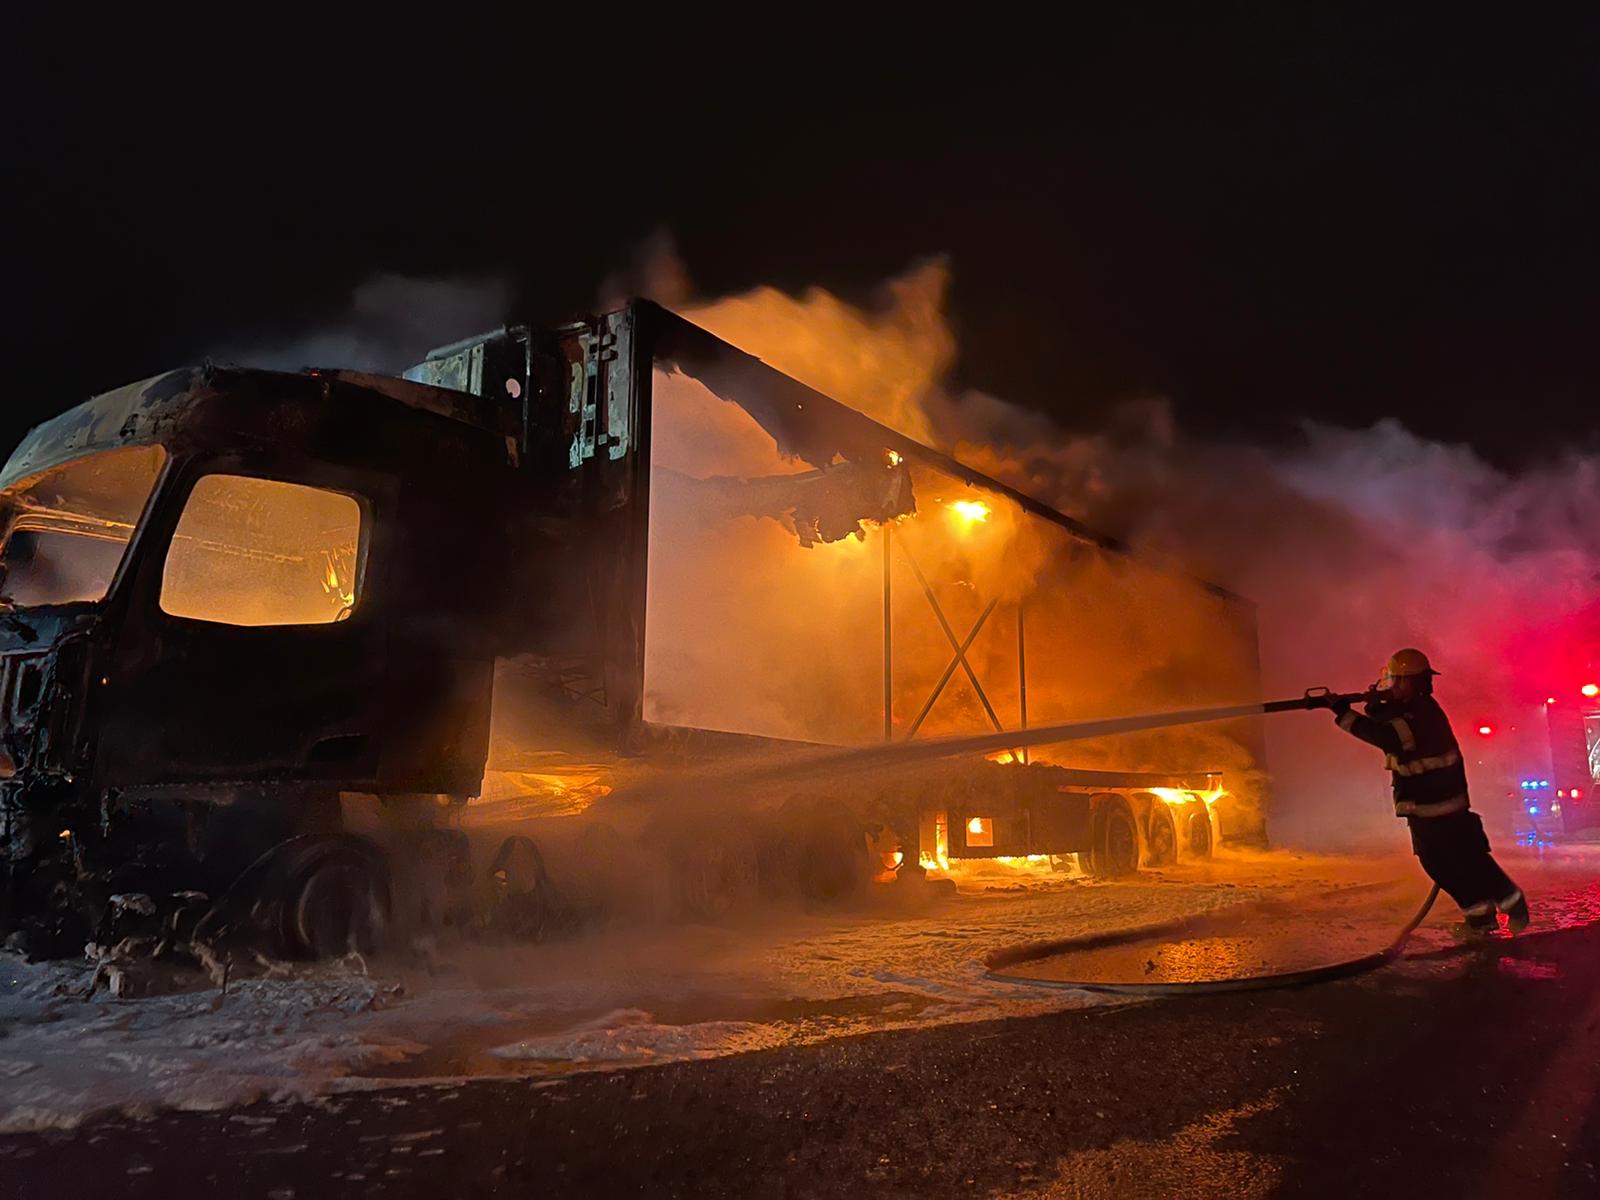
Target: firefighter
(1430, 791)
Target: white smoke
(391, 321)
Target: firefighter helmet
(1408, 662)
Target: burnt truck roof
(164, 407)
(134, 414)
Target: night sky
(1262, 214)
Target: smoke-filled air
(1349, 542)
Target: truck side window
(253, 551)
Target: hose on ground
(1253, 983)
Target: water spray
(860, 760)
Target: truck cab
(230, 595)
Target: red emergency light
(1590, 690)
(1485, 730)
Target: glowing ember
(892, 457)
(970, 512)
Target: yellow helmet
(1408, 662)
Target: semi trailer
(272, 644)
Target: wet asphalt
(1475, 1072)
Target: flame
(939, 860)
(332, 585)
(1181, 796)
(893, 458)
(975, 825)
(970, 512)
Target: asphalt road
(1473, 1075)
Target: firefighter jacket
(1420, 752)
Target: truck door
(253, 643)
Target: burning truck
(263, 633)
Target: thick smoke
(1352, 542)
(391, 322)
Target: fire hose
(858, 760)
(1282, 979)
(900, 754)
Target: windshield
(66, 529)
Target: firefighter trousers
(1454, 851)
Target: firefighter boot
(1480, 919)
(1515, 907)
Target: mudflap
(525, 903)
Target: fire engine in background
(1549, 764)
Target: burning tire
(1114, 849)
(1197, 818)
(1161, 837)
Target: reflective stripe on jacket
(1420, 752)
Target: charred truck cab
(232, 598)
(229, 596)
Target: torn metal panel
(826, 505)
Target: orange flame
(970, 512)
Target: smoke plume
(1352, 542)
(391, 322)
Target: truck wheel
(311, 896)
(715, 873)
(1198, 820)
(342, 904)
(817, 848)
(1161, 842)
(1114, 851)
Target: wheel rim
(1163, 840)
(336, 912)
(1200, 833)
(1121, 843)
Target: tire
(312, 896)
(817, 849)
(1161, 836)
(713, 867)
(1114, 852)
(1198, 828)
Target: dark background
(1262, 213)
